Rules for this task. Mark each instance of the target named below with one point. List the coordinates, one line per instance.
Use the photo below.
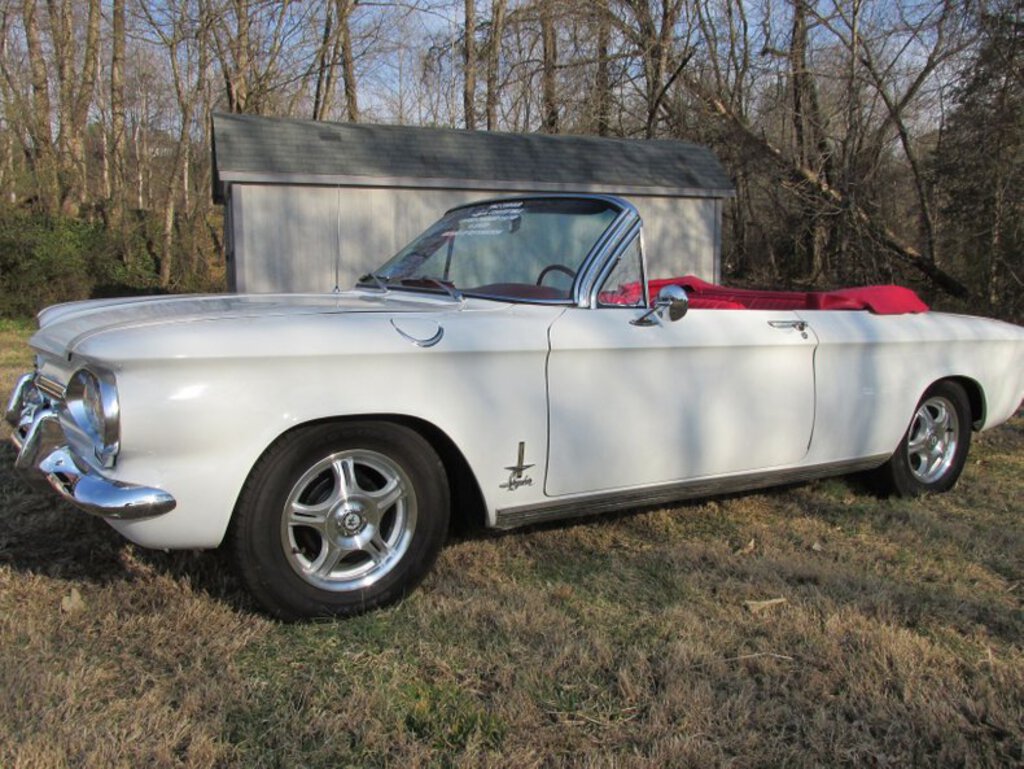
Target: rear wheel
(337, 519)
(933, 451)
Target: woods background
(869, 141)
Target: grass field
(626, 641)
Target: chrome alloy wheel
(348, 520)
(933, 438)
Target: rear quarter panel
(871, 371)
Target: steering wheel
(555, 268)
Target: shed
(313, 205)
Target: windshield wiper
(448, 288)
(380, 282)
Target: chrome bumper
(47, 460)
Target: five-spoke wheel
(339, 518)
(933, 451)
(349, 520)
(932, 439)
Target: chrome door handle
(799, 325)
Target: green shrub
(49, 259)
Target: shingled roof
(254, 149)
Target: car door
(714, 393)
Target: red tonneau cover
(881, 300)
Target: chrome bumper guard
(47, 460)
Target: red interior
(881, 300)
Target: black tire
(337, 519)
(926, 461)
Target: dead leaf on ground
(72, 603)
(757, 607)
(747, 549)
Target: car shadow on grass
(41, 534)
(895, 560)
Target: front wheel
(933, 451)
(336, 519)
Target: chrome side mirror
(672, 298)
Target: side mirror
(675, 300)
(671, 298)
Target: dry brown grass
(620, 642)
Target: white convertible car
(522, 359)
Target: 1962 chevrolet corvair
(524, 358)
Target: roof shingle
(251, 148)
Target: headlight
(90, 405)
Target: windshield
(514, 249)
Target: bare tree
(469, 60)
(77, 93)
(603, 81)
(549, 42)
(118, 142)
(325, 66)
(173, 26)
(348, 66)
(651, 32)
(41, 151)
(497, 29)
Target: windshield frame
(590, 266)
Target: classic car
(522, 360)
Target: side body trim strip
(594, 504)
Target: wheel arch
(468, 509)
(975, 397)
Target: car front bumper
(46, 459)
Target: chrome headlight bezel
(92, 408)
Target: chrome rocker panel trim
(46, 460)
(609, 502)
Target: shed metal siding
(316, 231)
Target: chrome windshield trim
(615, 253)
(595, 258)
(600, 255)
(620, 203)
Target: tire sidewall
(903, 478)
(258, 547)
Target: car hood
(63, 327)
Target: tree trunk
(325, 69)
(549, 66)
(807, 126)
(469, 67)
(167, 239)
(494, 61)
(118, 148)
(602, 82)
(348, 66)
(82, 101)
(43, 157)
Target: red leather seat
(881, 300)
